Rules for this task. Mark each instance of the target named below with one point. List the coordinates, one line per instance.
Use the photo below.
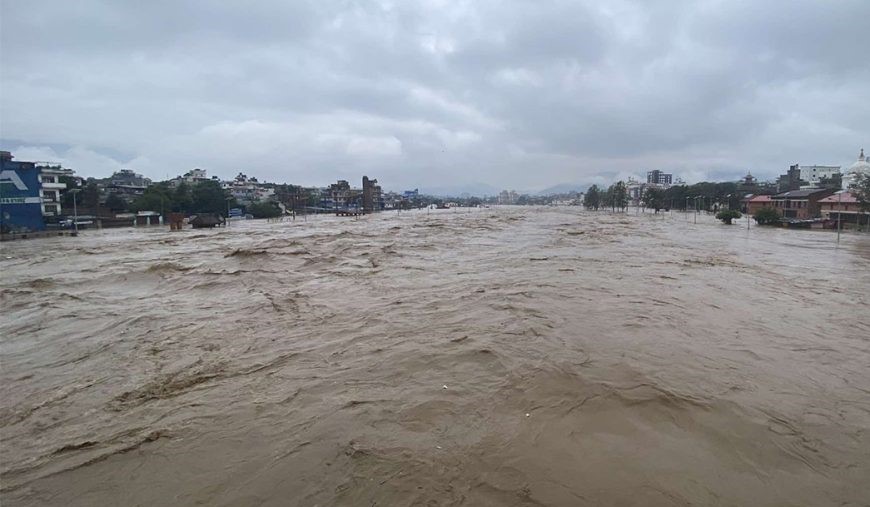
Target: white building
(861, 167)
(247, 190)
(635, 190)
(195, 176)
(51, 187)
(813, 174)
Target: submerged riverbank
(504, 356)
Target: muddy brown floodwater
(511, 356)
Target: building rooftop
(844, 196)
(800, 193)
(759, 198)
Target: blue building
(20, 200)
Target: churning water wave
(510, 356)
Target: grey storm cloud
(436, 94)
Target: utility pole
(839, 214)
(75, 212)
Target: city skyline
(517, 97)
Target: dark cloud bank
(436, 94)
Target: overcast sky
(436, 94)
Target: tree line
(615, 197)
(704, 195)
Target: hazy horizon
(433, 94)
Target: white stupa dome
(862, 166)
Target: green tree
(728, 215)
(264, 209)
(767, 216)
(308, 197)
(620, 195)
(834, 182)
(208, 197)
(90, 196)
(115, 202)
(607, 198)
(66, 197)
(592, 199)
(654, 198)
(676, 196)
(182, 198)
(157, 198)
(861, 188)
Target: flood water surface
(512, 356)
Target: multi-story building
(247, 190)
(791, 180)
(51, 187)
(195, 175)
(373, 195)
(635, 190)
(845, 207)
(752, 204)
(126, 183)
(656, 177)
(191, 177)
(20, 196)
(126, 177)
(801, 204)
(813, 175)
(807, 177)
(342, 196)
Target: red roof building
(844, 206)
(752, 204)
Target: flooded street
(506, 356)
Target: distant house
(801, 204)
(51, 188)
(373, 195)
(844, 206)
(126, 183)
(753, 203)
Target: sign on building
(20, 203)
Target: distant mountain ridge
(563, 188)
(478, 189)
(474, 189)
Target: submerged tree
(264, 209)
(208, 197)
(592, 199)
(620, 195)
(157, 197)
(767, 216)
(728, 215)
(654, 198)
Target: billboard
(20, 203)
